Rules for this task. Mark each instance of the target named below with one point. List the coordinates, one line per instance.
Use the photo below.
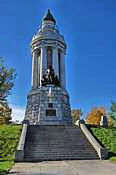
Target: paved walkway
(83, 167)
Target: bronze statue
(50, 78)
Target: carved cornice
(48, 40)
(45, 43)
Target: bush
(107, 136)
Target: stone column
(38, 66)
(55, 61)
(34, 70)
(43, 63)
(62, 66)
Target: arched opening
(49, 57)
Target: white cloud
(17, 113)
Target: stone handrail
(101, 151)
(20, 149)
(22, 138)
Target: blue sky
(89, 28)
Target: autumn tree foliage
(76, 114)
(110, 121)
(5, 113)
(94, 116)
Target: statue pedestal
(48, 105)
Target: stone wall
(48, 105)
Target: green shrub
(107, 136)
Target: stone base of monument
(48, 133)
(48, 105)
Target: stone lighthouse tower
(48, 100)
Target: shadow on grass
(3, 172)
(111, 154)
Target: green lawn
(5, 166)
(107, 136)
(113, 159)
(9, 138)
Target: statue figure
(50, 78)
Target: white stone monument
(48, 100)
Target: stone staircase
(57, 143)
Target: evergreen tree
(112, 113)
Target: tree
(94, 117)
(5, 113)
(113, 106)
(7, 77)
(110, 121)
(112, 113)
(76, 114)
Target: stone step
(59, 149)
(31, 159)
(61, 152)
(55, 157)
(57, 143)
(60, 155)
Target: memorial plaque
(50, 112)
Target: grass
(113, 159)
(5, 166)
(9, 138)
(107, 136)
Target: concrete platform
(83, 167)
